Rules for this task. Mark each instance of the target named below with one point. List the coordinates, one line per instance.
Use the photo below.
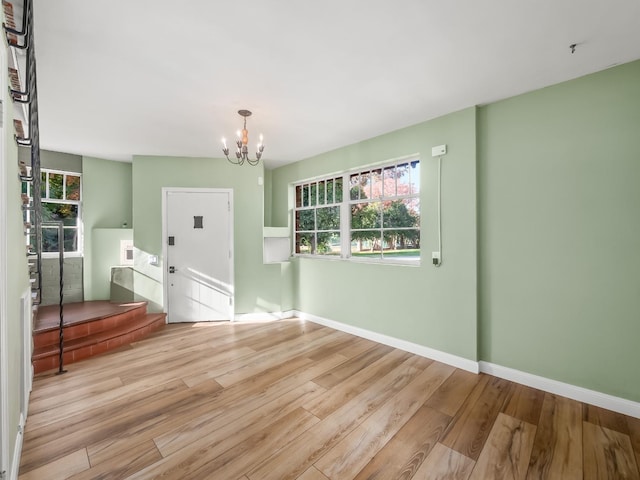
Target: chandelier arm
(238, 161)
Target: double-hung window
(371, 213)
(61, 201)
(317, 217)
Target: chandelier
(242, 151)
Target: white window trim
(75, 253)
(345, 216)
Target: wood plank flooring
(295, 400)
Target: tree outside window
(60, 197)
(317, 217)
(383, 210)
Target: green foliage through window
(317, 217)
(383, 206)
(60, 194)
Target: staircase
(90, 328)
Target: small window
(60, 198)
(317, 217)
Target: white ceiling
(158, 77)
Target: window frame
(60, 201)
(345, 206)
(307, 185)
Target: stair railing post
(61, 369)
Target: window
(379, 218)
(60, 196)
(317, 217)
(385, 211)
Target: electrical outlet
(435, 258)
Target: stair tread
(82, 313)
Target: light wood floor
(295, 400)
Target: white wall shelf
(276, 244)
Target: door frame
(166, 191)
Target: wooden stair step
(46, 357)
(50, 335)
(102, 335)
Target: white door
(199, 256)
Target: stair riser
(79, 330)
(50, 361)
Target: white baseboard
(592, 397)
(17, 451)
(444, 357)
(259, 316)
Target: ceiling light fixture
(242, 151)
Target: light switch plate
(439, 151)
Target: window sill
(414, 262)
(66, 255)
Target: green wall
(61, 161)
(434, 307)
(17, 276)
(268, 197)
(559, 223)
(106, 204)
(554, 202)
(541, 238)
(54, 160)
(105, 245)
(257, 286)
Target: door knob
(172, 269)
